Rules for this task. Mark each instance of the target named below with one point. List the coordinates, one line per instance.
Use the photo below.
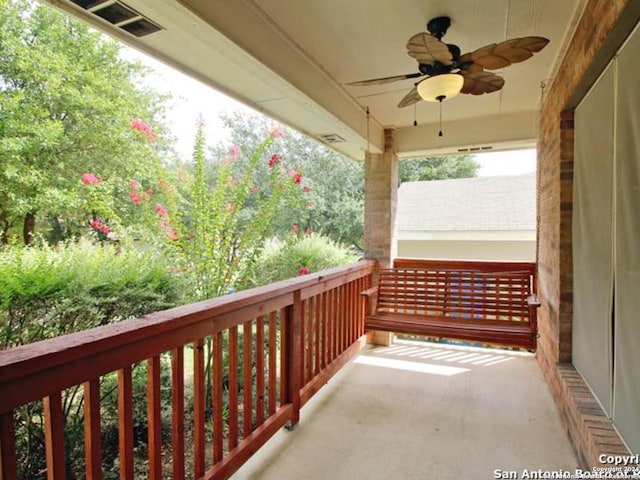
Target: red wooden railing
(282, 343)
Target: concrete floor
(422, 411)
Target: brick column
(380, 198)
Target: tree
(438, 168)
(224, 224)
(67, 102)
(335, 184)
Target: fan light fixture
(440, 87)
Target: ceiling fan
(449, 73)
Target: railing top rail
(43, 355)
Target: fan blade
(503, 54)
(481, 82)
(471, 67)
(410, 98)
(428, 49)
(382, 81)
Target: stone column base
(384, 339)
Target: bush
(285, 259)
(50, 291)
(47, 292)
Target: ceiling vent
(475, 149)
(331, 138)
(120, 15)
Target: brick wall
(589, 429)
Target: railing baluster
(247, 375)
(318, 323)
(125, 423)
(352, 312)
(154, 418)
(322, 310)
(198, 408)
(341, 319)
(332, 326)
(177, 412)
(307, 315)
(54, 436)
(316, 319)
(92, 434)
(298, 330)
(284, 349)
(233, 388)
(273, 349)
(7, 447)
(260, 371)
(218, 390)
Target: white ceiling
(292, 58)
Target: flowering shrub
(228, 225)
(212, 233)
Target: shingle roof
(468, 204)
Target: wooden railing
(265, 352)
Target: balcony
(252, 360)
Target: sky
(192, 98)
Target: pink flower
(169, 231)
(295, 228)
(135, 198)
(303, 271)
(295, 176)
(275, 158)
(172, 234)
(139, 126)
(254, 190)
(99, 226)
(134, 184)
(308, 231)
(234, 151)
(90, 179)
(306, 189)
(161, 211)
(276, 132)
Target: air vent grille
(331, 138)
(120, 15)
(475, 149)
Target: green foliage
(282, 259)
(46, 292)
(438, 168)
(335, 184)
(225, 226)
(67, 102)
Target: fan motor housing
(435, 68)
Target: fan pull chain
(368, 127)
(415, 114)
(440, 132)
